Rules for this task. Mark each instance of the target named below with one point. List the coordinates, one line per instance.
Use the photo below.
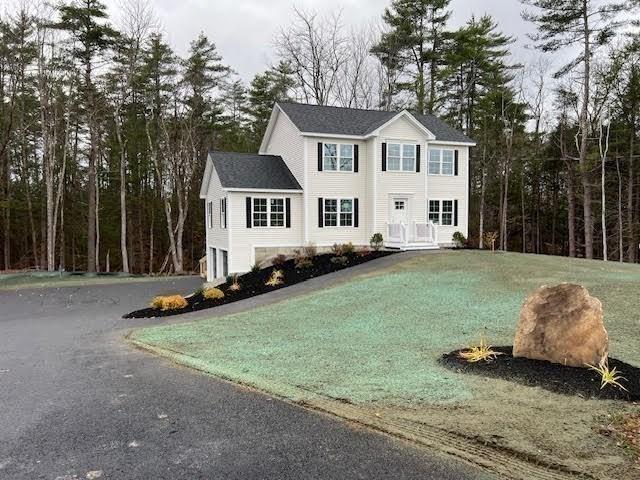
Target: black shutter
(455, 162)
(418, 158)
(320, 216)
(319, 156)
(455, 213)
(384, 157)
(355, 158)
(356, 213)
(287, 212)
(248, 203)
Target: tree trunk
(620, 229)
(123, 193)
(91, 173)
(633, 241)
(571, 211)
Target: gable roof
(253, 171)
(358, 122)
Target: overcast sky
(243, 30)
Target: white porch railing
(414, 232)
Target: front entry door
(400, 210)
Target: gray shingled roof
(353, 121)
(250, 170)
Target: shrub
(363, 251)
(255, 268)
(340, 261)
(302, 260)
(279, 260)
(213, 294)
(342, 249)
(608, 376)
(235, 285)
(276, 278)
(459, 239)
(489, 240)
(169, 302)
(310, 250)
(376, 241)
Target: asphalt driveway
(78, 402)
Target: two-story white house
(328, 175)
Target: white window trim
(338, 156)
(453, 165)
(440, 200)
(339, 224)
(402, 144)
(223, 213)
(268, 199)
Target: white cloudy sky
(243, 30)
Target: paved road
(77, 402)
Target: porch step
(413, 246)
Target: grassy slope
(377, 339)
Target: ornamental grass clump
(235, 285)
(608, 377)
(279, 260)
(478, 353)
(213, 293)
(302, 260)
(169, 302)
(276, 278)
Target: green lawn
(375, 341)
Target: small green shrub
(343, 249)
(213, 294)
(255, 268)
(340, 261)
(169, 302)
(279, 260)
(459, 239)
(376, 241)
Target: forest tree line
(104, 129)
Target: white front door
(399, 210)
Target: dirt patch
(551, 376)
(253, 283)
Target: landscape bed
(551, 376)
(254, 283)
(370, 350)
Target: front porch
(412, 236)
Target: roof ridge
(253, 154)
(342, 108)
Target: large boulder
(562, 324)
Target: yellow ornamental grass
(169, 302)
(235, 285)
(277, 278)
(608, 376)
(213, 294)
(477, 353)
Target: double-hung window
(441, 161)
(401, 157)
(209, 214)
(337, 157)
(223, 213)
(441, 212)
(268, 212)
(338, 212)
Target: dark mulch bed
(253, 283)
(551, 376)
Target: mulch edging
(253, 283)
(550, 376)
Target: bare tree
(317, 51)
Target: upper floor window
(209, 214)
(338, 212)
(223, 213)
(441, 212)
(401, 157)
(441, 161)
(337, 157)
(268, 212)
